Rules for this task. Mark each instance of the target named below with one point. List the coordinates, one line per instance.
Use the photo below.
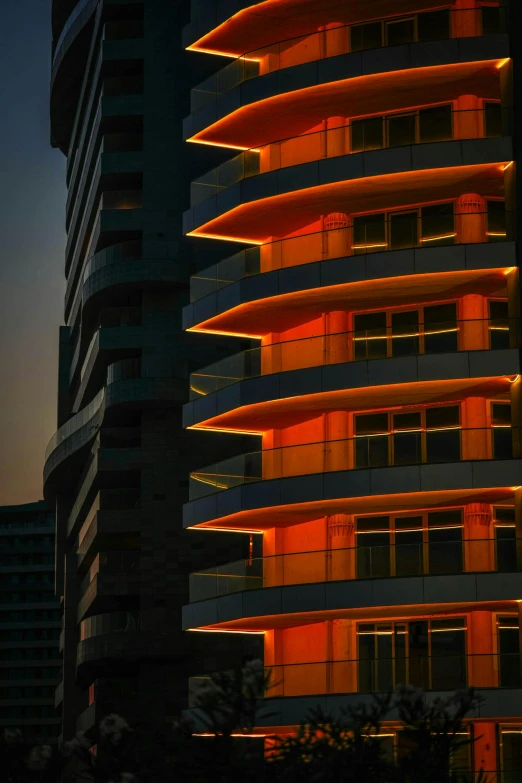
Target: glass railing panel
(447, 672)
(419, 126)
(340, 39)
(75, 423)
(415, 447)
(369, 234)
(451, 555)
(398, 340)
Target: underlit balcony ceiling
(276, 20)
(272, 621)
(280, 216)
(278, 313)
(290, 411)
(297, 513)
(291, 114)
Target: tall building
(117, 467)
(372, 197)
(29, 622)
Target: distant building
(29, 621)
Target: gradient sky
(32, 238)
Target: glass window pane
(445, 551)
(403, 230)
(434, 25)
(436, 124)
(402, 32)
(371, 452)
(368, 328)
(438, 225)
(502, 443)
(496, 221)
(498, 324)
(511, 755)
(407, 448)
(401, 129)
(501, 414)
(492, 118)
(409, 549)
(405, 330)
(491, 22)
(407, 421)
(373, 555)
(418, 641)
(369, 233)
(443, 445)
(367, 134)
(440, 328)
(443, 416)
(448, 517)
(370, 423)
(366, 36)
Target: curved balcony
(66, 82)
(405, 339)
(408, 127)
(296, 197)
(338, 39)
(440, 673)
(415, 558)
(363, 452)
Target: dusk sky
(32, 237)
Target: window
(491, 22)
(433, 123)
(492, 118)
(408, 545)
(429, 654)
(509, 652)
(438, 224)
(436, 124)
(427, 26)
(427, 226)
(367, 134)
(501, 425)
(511, 754)
(430, 329)
(505, 539)
(498, 324)
(397, 438)
(496, 214)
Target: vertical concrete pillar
(270, 354)
(468, 119)
(476, 435)
(270, 157)
(466, 19)
(336, 39)
(470, 218)
(482, 660)
(479, 544)
(473, 329)
(273, 560)
(338, 446)
(343, 672)
(341, 543)
(337, 235)
(485, 749)
(336, 137)
(336, 338)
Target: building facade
(372, 198)
(116, 468)
(29, 622)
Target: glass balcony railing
(406, 339)
(75, 423)
(335, 40)
(429, 672)
(420, 126)
(373, 233)
(375, 450)
(502, 554)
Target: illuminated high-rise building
(371, 197)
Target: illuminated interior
(421, 348)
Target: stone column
(337, 240)
(341, 542)
(473, 329)
(337, 338)
(479, 544)
(468, 119)
(470, 218)
(482, 668)
(466, 19)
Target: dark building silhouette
(117, 468)
(29, 622)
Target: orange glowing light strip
(226, 146)
(503, 62)
(223, 429)
(442, 236)
(233, 530)
(508, 165)
(257, 736)
(496, 233)
(366, 247)
(225, 334)
(224, 238)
